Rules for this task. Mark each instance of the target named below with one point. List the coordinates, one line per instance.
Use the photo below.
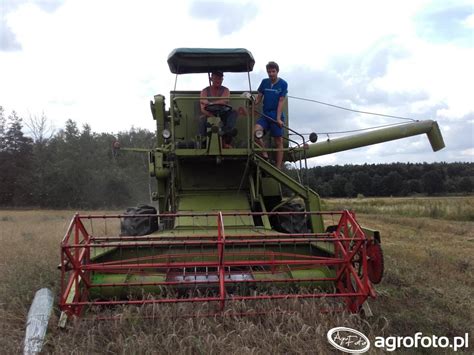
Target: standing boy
(273, 91)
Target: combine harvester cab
(222, 231)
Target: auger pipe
(330, 146)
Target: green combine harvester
(222, 230)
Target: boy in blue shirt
(273, 92)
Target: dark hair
(273, 65)
(218, 73)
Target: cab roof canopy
(206, 60)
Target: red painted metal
(375, 262)
(215, 252)
(221, 266)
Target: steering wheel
(218, 109)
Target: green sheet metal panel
(124, 291)
(187, 103)
(213, 202)
(206, 174)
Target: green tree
(465, 184)
(362, 182)
(338, 185)
(433, 182)
(349, 189)
(392, 183)
(324, 189)
(15, 160)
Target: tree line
(396, 179)
(72, 167)
(75, 167)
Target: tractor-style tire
(290, 223)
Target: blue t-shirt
(271, 95)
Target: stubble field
(428, 286)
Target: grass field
(428, 287)
(456, 208)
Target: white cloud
(101, 62)
(469, 22)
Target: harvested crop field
(428, 246)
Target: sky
(100, 62)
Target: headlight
(313, 137)
(258, 134)
(166, 133)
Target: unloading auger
(222, 231)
